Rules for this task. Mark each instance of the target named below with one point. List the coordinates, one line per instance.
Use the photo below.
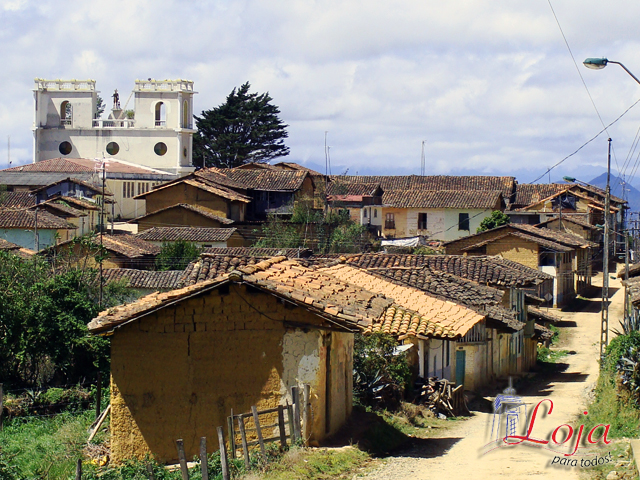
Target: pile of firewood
(442, 397)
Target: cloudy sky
(490, 86)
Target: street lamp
(600, 63)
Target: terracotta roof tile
(529, 193)
(188, 234)
(479, 199)
(218, 190)
(267, 180)
(147, 279)
(205, 212)
(16, 199)
(21, 218)
(82, 165)
(543, 314)
(531, 238)
(6, 245)
(348, 188)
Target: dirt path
(459, 452)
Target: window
(65, 148)
(365, 213)
(113, 148)
(185, 115)
(66, 113)
(375, 213)
(463, 221)
(160, 148)
(160, 114)
(128, 189)
(390, 221)
(422, 221)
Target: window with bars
(463, 221)
(422, 221)
(478, 333)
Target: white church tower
(157, 132)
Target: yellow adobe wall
(177, 373)
(185, 193)
(476, 364)
(455, 248)
(400, 216)
(516, 249)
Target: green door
(460, 366)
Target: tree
(496, 219)
(176, 255)
(244, 129)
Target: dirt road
(459, 452)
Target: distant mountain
(631, 194)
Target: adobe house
(362, 200)
(19, 226)
(144, 281)
(181, 360)
(562, 255)
(182, 215)
(220, 200)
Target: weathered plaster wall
(185, 193)
(177, 373)
(516, 249)
(177, 218)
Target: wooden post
(204, 463)
(98, 395)
(79, 469)
(282, 427)
(223, 455)
(292, 431)
(306, 414)
(150, 472)
(232, 436)
(295, 395)
(245, 448)
(256, 420)
(182, 459)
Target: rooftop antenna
(329, 158)
(422, 165)
(326, 155)
(9, 150)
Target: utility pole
(604, 323)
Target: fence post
(223, 455)
(256, 420)
(204, 463)
(150, 472)
(79, 469)
(306, 414)
(281, 427)
(232, 436)
(292, 431)
(99, 395)
(295, 395)
(1, 405)
(245, 448)
(183, 460)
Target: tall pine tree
(245, 128)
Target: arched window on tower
(66, 113)
(160, 115)
(185, 115)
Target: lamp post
(599, 64)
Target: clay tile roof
(218, 190)
(80, 203)
(82, 165)
(575, 219)
(530, 193)
(634, 271)
(205, 212)
(531, 238)
(59, 207)
(6, 245)
(343, 303)
(481, 199)
(455, 319)
(20, 218)
(543, 314)
(90, 186)
(359, 189)
(16, 199)
(189, 234)
(124, 245)
(390, 183)
(267, 180)
(259, 252)
(487, 270)
(296, 166)
(565, 238)
(542, 333)
(148, 279)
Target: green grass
(621, 461)
(611, 408)
(45, 447)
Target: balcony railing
(164, 85)
(390, 225)
(65, 122)
(114, 123)
(73, 85)
(160, 123)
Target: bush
(380, 375)
(177, 255)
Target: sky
(489, 86)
